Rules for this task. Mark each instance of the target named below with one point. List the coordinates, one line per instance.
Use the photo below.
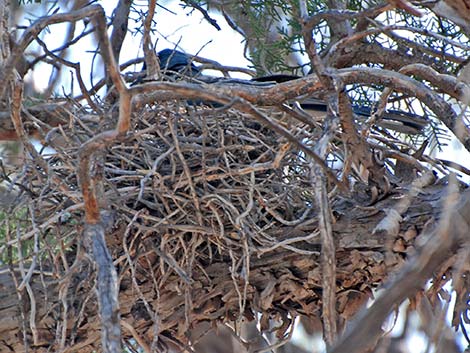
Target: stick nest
(210, 217)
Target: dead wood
(210, 217)
(172, 207)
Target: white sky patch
(189, 30)
(191, 33)
(417, 342)
(455, 151)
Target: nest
(211, 217)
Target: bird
(175, 62)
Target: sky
(188, 31)
(193, 35)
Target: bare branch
(33, 31)
(120, 20)
(152, 64)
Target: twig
(120, 20)
(76, 67)
(7, 69)
(390, 224)
(204, 13)
(151, 61)
(400, 82)
(195, 91)
(328, 260)
(136, 336)
(94, 228)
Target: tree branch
(453, 229)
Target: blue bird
(174, 62)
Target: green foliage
(12, 226)
(270, 49)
